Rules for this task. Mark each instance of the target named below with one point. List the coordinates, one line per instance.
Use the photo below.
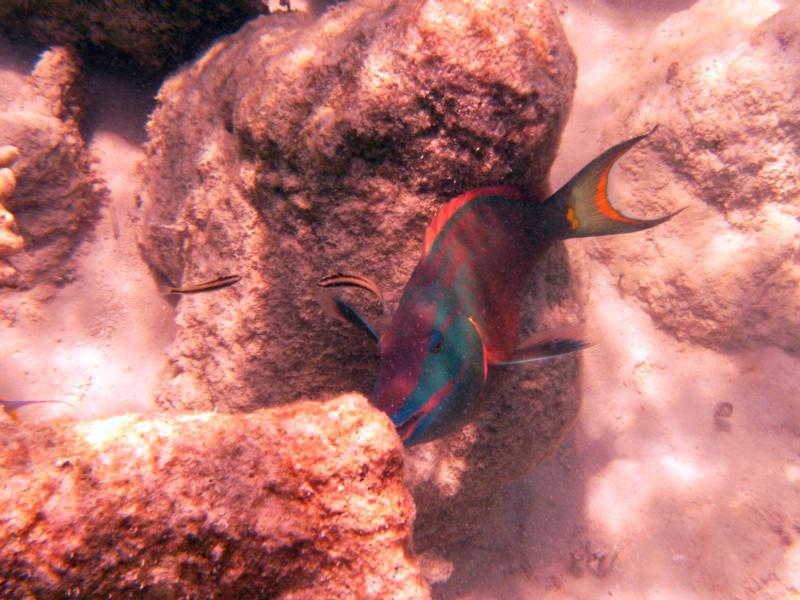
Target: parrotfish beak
(395, 385)
(397, 393)
(406, 429)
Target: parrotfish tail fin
(541, 346)
(340, 310)
(582, 207)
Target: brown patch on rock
(296, 149)
(57, 195)
(300, 501)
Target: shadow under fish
(459, 313)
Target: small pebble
(8, 155)
(7, 182)
(723, 410)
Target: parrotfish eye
(436, 343)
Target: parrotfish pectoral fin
(356, 281)
(582, 207)
(340, 310)
(541, 346)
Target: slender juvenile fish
(460, 311)
(11, 406)
(206, 286)
(114, 222)
(340, 280)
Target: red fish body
(459, 312)
(466, 292)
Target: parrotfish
(459, 313)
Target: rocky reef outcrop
(56, 195)
(152, 36)
(304, 501)
(294, 149)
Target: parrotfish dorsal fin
(453, 206)
(582, 207)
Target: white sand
(99, 342)
(650, 496)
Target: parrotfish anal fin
(541, 346)
(452, 207)
(340, 310)
(582, 207)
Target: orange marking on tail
(573, 220)
(601, 199)
(485, 350)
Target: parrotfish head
(433, 367)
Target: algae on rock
(154, 36)
(303, 501)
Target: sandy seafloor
(98, 342)
(649, 496)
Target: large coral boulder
(305, 501)
(294, 149)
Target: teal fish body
(460, 307)
(460, 311)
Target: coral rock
(724, 273)
(154, 36)
(10, 241)
(297, 148)
(57, 194)
(304, 501)
(8, 155)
